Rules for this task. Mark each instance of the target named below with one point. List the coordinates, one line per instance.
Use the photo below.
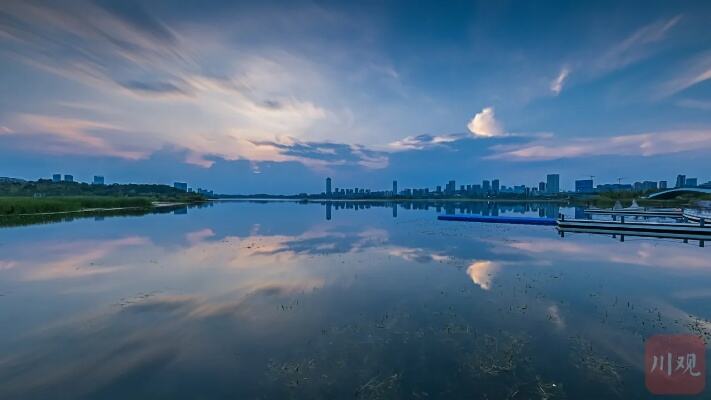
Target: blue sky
(275, 96)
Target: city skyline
(362, 94)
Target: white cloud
(644, 144)
(557, 83)
(422, 142)
(484, 124)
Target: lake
(257, 300)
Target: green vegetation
(45, 196)
(29, 205)
(47, 188)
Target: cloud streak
(645, 144)
(557, 84)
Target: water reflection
(269, 300)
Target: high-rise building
(451, 187)
(541, 187)
(662, 185)
(486, 186)
(57, 178)
(394, 187)
(495, 186)
(98, 180)
(552, 183)
(680, 181)
(328, 186)
(584, 186)
(181, 186)
(691, 182)
(68, 178)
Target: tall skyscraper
(552, 183)
(394, 188)
(662, 185)
(680, 181)
(57, 178)
(495, 186)
(541, 187)
(328, 186)
(486, 186)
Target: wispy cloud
(645, 144)
(692, 73)
(557, 83)
(637, 45)
(70, 136)
(421, 142)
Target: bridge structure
(671, 193)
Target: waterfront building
(584, 186)
(181, 186)
(662, 185)
(98, 180)
(680, 181)
(57, 178)
(328, 187)
(394, 187)
(541, 187)
(68, 178)
(486, 186)
(553, 183)
(691, 182)
(495, 186)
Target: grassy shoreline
(13, 206)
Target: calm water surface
(284, 300)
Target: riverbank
(48, 205)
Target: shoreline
(98, 210)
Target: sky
(273, 97)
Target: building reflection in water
(543, 209)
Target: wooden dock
(660, 212)
(668, 229)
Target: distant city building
(486, 186)
(57, 178)
(451, 187)
(662, 185)
(553, 183)
(691, 182)
(495, 186)
(680, 181)
(328, 186)
(542, 187)
(98, 180)
(584, 186)
(394, 187)
(181, 186)
(68, 178)
(614, 187)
